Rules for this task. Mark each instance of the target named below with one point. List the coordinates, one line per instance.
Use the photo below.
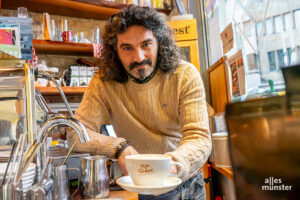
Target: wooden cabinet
(219, 85)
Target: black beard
(136, 64)
(142, 78)
(142, 74)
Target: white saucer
(26, 178)
(30, 169)
(127, 184)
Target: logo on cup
(67, 36)
(144, 169)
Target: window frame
(272, 69)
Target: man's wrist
(121, 147)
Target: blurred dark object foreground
(264, 139)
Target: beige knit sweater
(166, 115)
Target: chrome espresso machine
(17, 103)
(17, 122)
(23, 135)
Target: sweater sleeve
(195, 145)
(93, 112)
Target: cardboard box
(83, 78)
(74, 76)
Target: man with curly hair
(152, 98)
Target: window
(248, 27)
(278, 24)
(272, 62)
(288, 21)
(280, 55)
(289, 54)
(251, 19)
(258, 28)
(252, 61)
(297, 18)
(298, 48)
(269, 26)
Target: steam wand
(53, 76)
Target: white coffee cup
(149, 169)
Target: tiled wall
(61, 61)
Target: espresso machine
(17, 123)
(21, 139)
(264, 140)
(17, 104)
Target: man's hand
(128, 151)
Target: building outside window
(289, 55)
(252, 61)
(279, 23)
(258, 28)
(298, 50)
(269, 26)
(280, 55)
(272, 62)
(248, 28)
(288, 21)
(297, 18)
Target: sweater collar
(132, 78)
(149, 84)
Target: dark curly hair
(168, 55)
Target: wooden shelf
(100, 10)
(66, 48)
(116, 5)
(66, 90)
(225, 171)
(62, 7)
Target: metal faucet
(76, 125)
(47, 127)
(54, 122)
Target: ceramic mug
(67, 36)
(149, 169)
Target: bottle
(43, 67)
(96, 35)
(67, 36)
(272, 89)
(65, 25)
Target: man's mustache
(136, 64)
